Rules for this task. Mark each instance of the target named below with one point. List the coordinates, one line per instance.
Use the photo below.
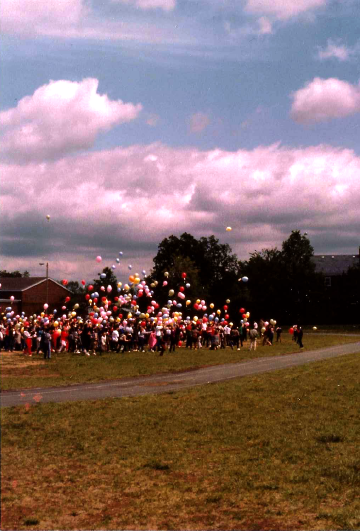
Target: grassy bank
(276, 451)
(19, 371)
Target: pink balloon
(98, 259)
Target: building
(334, 266)
(31, 293)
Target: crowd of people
(135, 334)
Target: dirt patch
(16, 360)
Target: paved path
(161, 383)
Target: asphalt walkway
(163, 383)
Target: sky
(127, 121)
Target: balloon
(291, 330)
(218, 312)
(129, 266)
(46, 306)
(109, 289)
(244, 279)
(120, 253)
(181, 288)
(165, 283)
(211, 305)
(187, 285)
(143, 272)
(131, 278)
(98, 259)
(225, 307)
(171, 292)
(181, 295)
(90, 287)
(65, 282)
(184, 275)
(188, 302)
(166, 274)
(12, 298)
(83, 282)
(314, 327)
(242, 310)
(76, 306)
(228, 229)
(227, 301)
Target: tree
(211, 268)
(8, 274)
(283, 284)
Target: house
(30, 294)
(334, 266)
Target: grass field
(277, 451)
(19, 371)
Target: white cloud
(61, 117)
(134, 197)
(283, 9)
(166, 5)
(324, 99)
(31, 16)
(337, 50)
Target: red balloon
(115, 308)
(65, 282)
(87, 296)
(242, 310)
(196, 306)
(92, 314)
(83, 282)
(96, 299)
(291, 330)
(67, 299)
(244, 315)
(224, 323)
(116, 299)
(225, 307)
(133, 303)
(120, 315)
(227, 316)
(182, 288)
(204, 319)
(183, 275)
(156, 305)
(90, 287)
(103, 299)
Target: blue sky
(238, 101)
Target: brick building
(30, 294)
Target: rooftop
(337, 264)
(22, 283)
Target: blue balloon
(130, 266)
(216, 319)
(143, 272)
(118, 260)
(120, 253)
(103, 275)
(188, 318)
(113, 266)
(244, 279)
(179, 305)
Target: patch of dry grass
(274, 451)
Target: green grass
(18, 371)
(275, 451)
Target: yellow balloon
(198, 301)
(127, 287)
(218, 312)
(195, 318)
(188, 302)
(56, 323)
(211, 305)
(76, 306)
(136, 280)
(152, 285)
(42, 314)
(73, 314)
(227, 301)
(147, 316)
(129, 315)
(171, 292)
(166, 274)
(228, 229)
(119, 284)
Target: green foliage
(7, 274)
(211, 267)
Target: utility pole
(47, 281)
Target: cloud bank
(131, 198)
